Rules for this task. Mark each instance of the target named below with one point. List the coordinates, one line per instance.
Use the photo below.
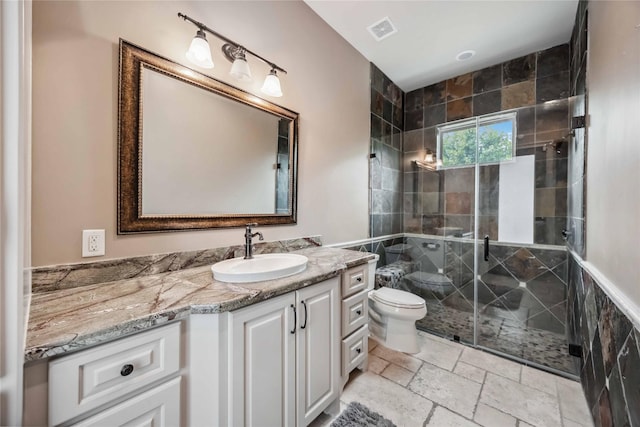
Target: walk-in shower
(491, 274)
(479, 180)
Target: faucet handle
(252, 224)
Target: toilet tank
(371, 273)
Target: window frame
(478, 122)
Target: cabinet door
(318, 348)
(262, 364)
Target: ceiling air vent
(382, 29)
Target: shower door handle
(486, 248)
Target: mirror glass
(197, 153)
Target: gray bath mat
(358, 415)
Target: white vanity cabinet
(355, 319)
(144, 369)
(284, 358)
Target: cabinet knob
(358, 350)
(358, 312)
(126, 370)
(359, 279)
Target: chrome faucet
(248, 246)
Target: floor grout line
(433, 409)
(555, 396)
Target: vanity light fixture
(199, 53)
(240, 67)
(271, 84)
(429, 162)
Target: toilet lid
(398, 298)
(428, 278)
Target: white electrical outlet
(92, 243)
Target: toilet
(392, 318)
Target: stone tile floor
(448, 385)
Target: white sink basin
(260, 267)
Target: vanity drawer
(354, 350)
(159, 406)
(88, 379)
(355, 312)
(354, 280)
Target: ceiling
(431, 33)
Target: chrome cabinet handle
(295, 320)
(305, 315)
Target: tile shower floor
(449, 385)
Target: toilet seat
(397, 298)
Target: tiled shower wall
(377, 247)
(537, 86)
(609, 368)
(610, 364)
(385, 167)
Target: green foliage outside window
(494, 144)
(458, 147)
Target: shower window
(485, 140)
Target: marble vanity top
(65, 320)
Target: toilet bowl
(424, 283)
(392, 318)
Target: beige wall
(613, 165)
(75, 67)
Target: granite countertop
(71, 319)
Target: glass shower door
(520, 287)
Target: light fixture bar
(203, 27)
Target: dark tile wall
(377, 248)
(537, 87)
(578, 150)
(385, 169)
(610, 363)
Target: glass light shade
(429, 158)
(240, 70)
(199, 52)
(271, 85)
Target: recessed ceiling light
(382, 29)
(466, 54)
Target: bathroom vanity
(180, 348)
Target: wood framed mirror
(197, 153)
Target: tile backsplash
(51, 278)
